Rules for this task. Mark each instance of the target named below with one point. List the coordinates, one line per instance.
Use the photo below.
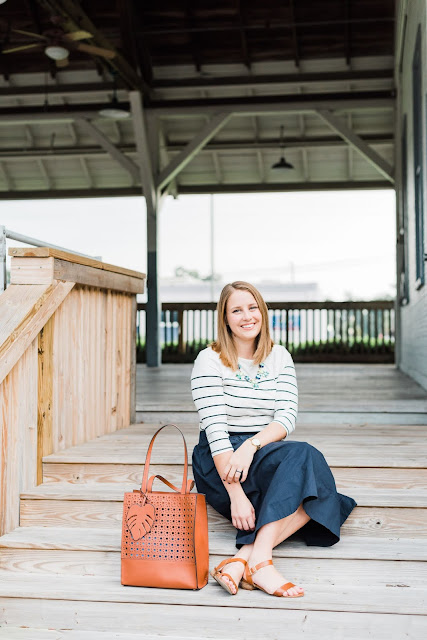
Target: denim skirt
(282, 475)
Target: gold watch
(256, 443)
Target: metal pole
(3, 282)
(39, 243)
(212, 247)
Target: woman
(245, 390)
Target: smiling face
(243, 316)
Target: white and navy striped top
(228, 405)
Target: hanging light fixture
(113, 109)
(56, 52)
(282, 163)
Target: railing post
(3, 274)
(181, 346)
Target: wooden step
(343, 446)
(367, 485)
(362, 590)
(100, 505)
(306, 571)
(323, 417)
(220, 543)
(158, 621)
(19, 633)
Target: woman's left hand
(240, 460)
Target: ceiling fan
(57, 44)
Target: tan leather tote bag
(165, 533)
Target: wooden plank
(381, 521)
(308, 571)
(45, 396)
(305, 418)
(249, 623)
(46, 252)
(18, 633)
(220, 543)
(365, 493)
(122, 473)
(18, 435)
(34, 271)
(319, 595)
(332, 388)
(28, 329)
(132, 347)
(96, 277)
(16, 306)
(337, 453)
(385, 487)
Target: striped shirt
(228, 405)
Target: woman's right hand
(242, 512)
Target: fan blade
(78, 35)
(24, 46)
(62, 63)
(96, 51)
(29, 33)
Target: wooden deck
(60, 571)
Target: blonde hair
(224, 344)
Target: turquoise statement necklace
(261, 373)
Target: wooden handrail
(67, 361)
(47, 252)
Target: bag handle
(144, 484)
(190, 484)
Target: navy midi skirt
(282, 475)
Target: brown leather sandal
(216, 574)
(248, 583)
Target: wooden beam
(307, 77)
(230, 146)
(195, 49)
(106, 144)
(241, 16)
(238, 187)
(284, 187)
(63, 90)
(198, 142)
(253, 105)
(294, 33)
(26, 329)
(49, 252)
(355, 141)
(45, 396)
(143, 149)
(348, 32)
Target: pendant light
(282, 163)
(113, 109)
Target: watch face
(256, 442)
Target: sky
(344, 240)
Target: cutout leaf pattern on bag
(140, 519)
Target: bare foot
(270, 579)
(235, 570)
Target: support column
(153, 313)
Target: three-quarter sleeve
(286, 403)
(208, 396)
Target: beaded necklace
(261, 373)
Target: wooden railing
(67, 361)
(311, 331)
